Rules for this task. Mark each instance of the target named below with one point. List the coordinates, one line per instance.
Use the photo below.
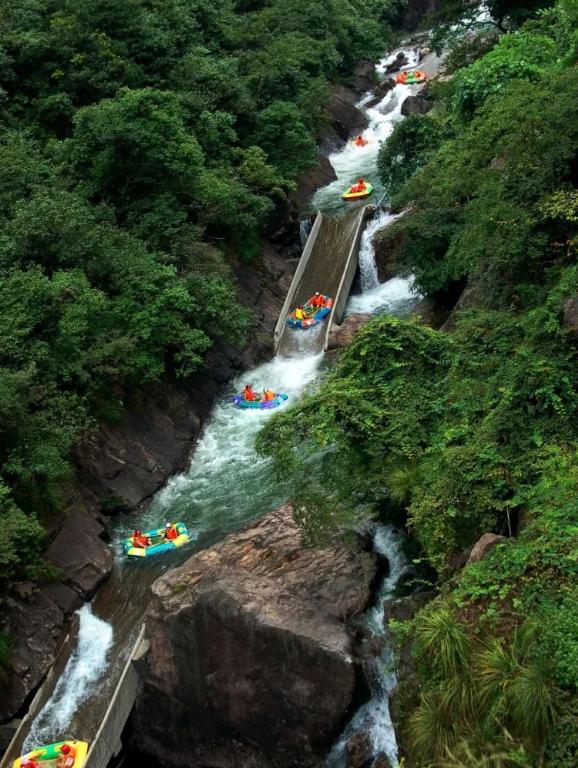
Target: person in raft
(29, 762)
(317, 301)
(140, 542)
(249, 393)
(171, 532)
(359, 187)
(299, 314)
(268, 395)
(66, 757)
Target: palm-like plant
(514, 688)
(432, 730)
(443, 640)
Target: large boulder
(380, 91)
(311, 180)
(250, 650)
(415, 105)
(341, 336)
(359, 749)
(80, 552)
(481, 548)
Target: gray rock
(33, 623)
(79, 551)
(249, 643)
(380, 90)
(359, 749)
(342, 336)
(415, 105)
(481, 548)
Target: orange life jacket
(171, 533)
(248, 393)
(268, 395)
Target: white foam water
(374, 717)
(352, 162)
(77, 683)
(227, 481)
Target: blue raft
(158, 542)
(262, 405)
(314, 315)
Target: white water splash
(374, 717)
(352, 161)
(227, 481)
(394, 297)
(367, 266)
(76, 684)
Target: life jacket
(268, 395)
(171, 533)
(66, 761)
(299, 314)
(248, 393)
(140, 542)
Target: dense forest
(475, 430)
(144, 146)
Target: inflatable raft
(158, 542)
(313, 315)
(411, 78)
(50, 753)
(262, 405)
(349, 194)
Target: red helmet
(65, 749)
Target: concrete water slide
(328, 265)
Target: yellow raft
(365, 192)
(49, 754)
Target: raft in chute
(357, 191)
(411, 78)
(312, 315)
(48, 754)
(263, 405)
(159, 543)
(360, 141)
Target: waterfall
(76, 684)
(374, 717)
(304, 230)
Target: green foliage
(520, 55)
(132, 133)
(411, 145)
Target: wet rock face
(79, 551)
(359, 749)
(249, 644)
(380, 92)
(342, 336)
(415, 105)
(33, 621)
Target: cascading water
(78, 681)
(304, 230)
(352, 162)
(374, 717)
(226, 486)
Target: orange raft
(411, 78)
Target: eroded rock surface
(249, 644)
(342, 336)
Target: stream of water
(227, 485)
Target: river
(227, 485)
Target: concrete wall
(297, 278)
(43, 694)
(107, 741)
(347, 277)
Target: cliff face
(251, 660)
